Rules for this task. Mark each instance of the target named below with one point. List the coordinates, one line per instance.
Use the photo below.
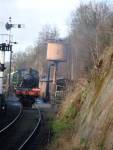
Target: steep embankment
(85, 120)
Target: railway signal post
(3, 48)
(9, 25)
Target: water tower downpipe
(47, 85)
(48, 80)
(55, 80)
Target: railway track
(13, 112)
(21, 131)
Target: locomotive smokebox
(55, 52)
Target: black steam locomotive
(26, 85)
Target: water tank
(55, 51)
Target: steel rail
(33, 132)
(12, 122)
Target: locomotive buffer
(3, 48)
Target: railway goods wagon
(26, 85)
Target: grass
(101, 146)
(82, 141)
(59, 125)
(71, 113)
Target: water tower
(55, 52)
(55, 55)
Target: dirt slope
(92, 124)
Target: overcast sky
(34, 14)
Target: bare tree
(35, 57)
(40, 50)
(91, 27)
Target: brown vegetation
(93, 122)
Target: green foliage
(59, 126)
(71, 113)
(84, 93)
(82, 141)
(101, 146)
